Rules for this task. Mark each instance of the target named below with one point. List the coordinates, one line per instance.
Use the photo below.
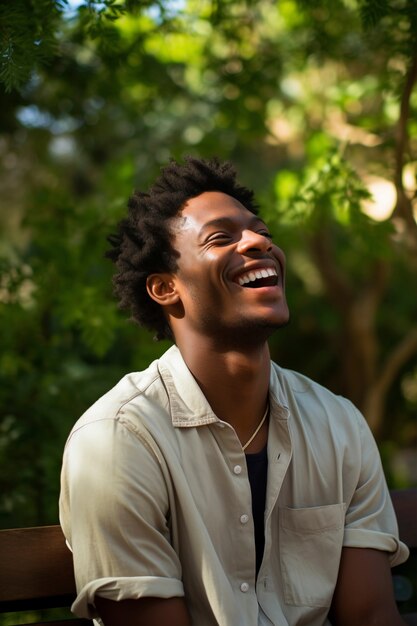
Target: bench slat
(66, 622)
(36, 569)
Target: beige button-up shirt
(156, 500)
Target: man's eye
(218, 237)
(265, 233)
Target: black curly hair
(142, 244)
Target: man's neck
(234, 381)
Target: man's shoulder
(300, 383)
(126, 399)
(306, 392)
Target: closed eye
(219, 238)
(265, 233)
(223, 238)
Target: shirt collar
(188, 405)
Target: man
(216, 488)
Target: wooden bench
(36, 566)
(36, 573)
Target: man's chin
(274, 321)
(252, 332)
(271, 325)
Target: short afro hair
(142, 244)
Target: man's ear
(162, 289)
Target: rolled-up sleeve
(114, 513)
(370, 517)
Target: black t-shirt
(258, 471)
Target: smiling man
(216, 488)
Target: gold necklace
(258, 428)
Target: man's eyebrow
(220, 222)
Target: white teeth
(250, 276)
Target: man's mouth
(264, 277)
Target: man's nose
(252, 242)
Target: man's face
(230, 275)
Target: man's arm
(364, 594)
(143, 612)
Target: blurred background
(315, 104)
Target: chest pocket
(310, 542)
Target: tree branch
(398, 357)
(338, 286)
(404, 207)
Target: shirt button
(244, 587)
(244, 518)
(237, 469)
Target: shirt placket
(279, 458)
(244, 569)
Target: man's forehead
(211, 201)
(211, 208)
(185, 223)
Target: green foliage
(332, 198)
(372, 11)
(28, 31)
